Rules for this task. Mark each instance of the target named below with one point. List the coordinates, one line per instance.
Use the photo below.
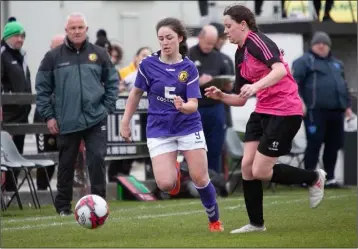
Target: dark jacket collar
(15, 52)
(70, 45)
(329, 56)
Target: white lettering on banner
(122, 150)
(129, 150)
(143, 104)
(113, 128)
(121, 104)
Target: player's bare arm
(277, 73)
(187, 108)
(131, 106)
(229, 99)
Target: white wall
(131, 23)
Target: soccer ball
(91, 211)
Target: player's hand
(205, 78)
(349, 113)
(52, 126)
(214, 93)
(247, 91)
(125, 132)
(178, 102)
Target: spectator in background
(46, 142)
(116, 55)
(82, 104)
(323, 88)
(130, 74)
(132, 68)
(204, 12)
(229, 87)
(210, 63)
(258, 8)
(103, 41)
(15, 78)
(218, 46)
(327, 9)
(130, 77)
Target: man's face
(16, 41)
(57, 42)
(144, 53)
(321, 49)
(207, 43)
(76, 30)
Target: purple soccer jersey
(163, 82)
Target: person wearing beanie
(101, 33)
(103, 42)
(15, 78)
(324, 91)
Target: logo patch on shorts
(274, 146)
(183, 76)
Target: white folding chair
(11, 154)
(8, 167)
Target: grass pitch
(183, 223)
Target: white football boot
(249, 228)
(316, 192)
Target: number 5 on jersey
(169, 92)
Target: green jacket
(84, 83)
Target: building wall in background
(129, 23)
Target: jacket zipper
(79, 72)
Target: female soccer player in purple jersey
(261, 70)
(171, 82)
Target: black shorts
(275, 133)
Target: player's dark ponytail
(183, 49)
(178, 27)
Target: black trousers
(95, 139)
(327, 9)
(324, 127)
(258, 7)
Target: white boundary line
(155, 216)
(139, 207)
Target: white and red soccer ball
(91, 211)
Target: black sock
(285, 174)
(253, 195)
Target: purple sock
(208, 198)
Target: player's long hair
(241, 13)
(178, 27)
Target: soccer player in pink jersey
(171, 81)
(261, 70)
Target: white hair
(76, 14)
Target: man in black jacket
(15, 78)
(210, 63)
(85, 85)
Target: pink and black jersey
(253, 62)
(162, 82)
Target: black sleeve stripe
(261, 45)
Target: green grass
(182, 223)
